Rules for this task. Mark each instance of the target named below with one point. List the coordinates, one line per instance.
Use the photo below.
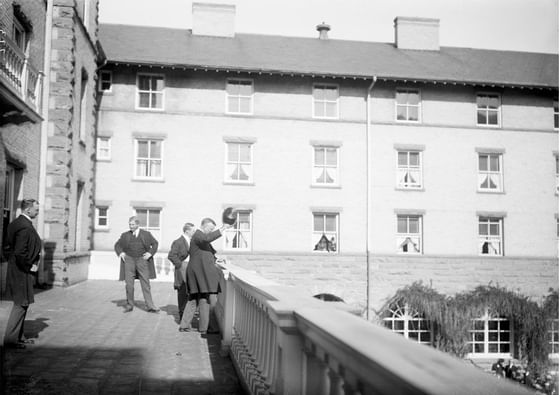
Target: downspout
(368, 197)
(45, 130)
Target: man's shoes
(185, 329)
(18, 345)
(153, 310)
(128, 308)
(210, 332)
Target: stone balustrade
(18, 74)
(284, 341)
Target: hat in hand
(229, 216)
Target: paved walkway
(85, 344)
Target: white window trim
(227, 180)
(97, 216)
(100, 81)
(420, 167)
(419, 235)
(233, 230)
(483, 238)
(335, 184)
(137, 94)
(135, 159)
(252, 97)
(501, 189)
(18, 26)
(159, 233)
(552, 355)
(415, 90)
(314, 234)
(337, 116)
(482, 125)
(486, 354)
(98, 157)
(407, 316)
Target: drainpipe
(368, 198)
(44, 130)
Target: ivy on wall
(451, 318)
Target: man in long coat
(178, 255)
(203, 281)
(23, 248)
(136, 249)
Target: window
(239, 162)
(409, 169)
(325, 166)
(407, 105)
(490, 240)
(12, 188)
(102, 217)
(19, 35)
(105, 81)
(103, 148)
(325, 101)
(150, 91)
(490, 335)
(149, 219)
(555, 106)
(239, 236)
(409, 323)
(239, 97)
(409, 234)
(79, 225)
(488, 109)
(83, 106)
(556, 171)
(490, 177)
(325, 232)
(149, 159)
(553, 336)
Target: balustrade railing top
(284, 341)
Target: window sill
(325, 118)
(240, 114)
(103, 160)
(490, 256)
(410, 253)
(489, 356)
(102, 230)
(490, 192)
(102, 92)
(489, 126)
(403, 189)
(408, 122)
(247, 184)
(160, 180)
(142, 109)
(325, 252)
(325, 186)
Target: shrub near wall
(451, 318)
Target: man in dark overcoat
(136, 249)
(23, 248)
(203, 281)
(178, 255)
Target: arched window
(408, 322)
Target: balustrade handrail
(285, 341)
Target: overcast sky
(519, 25)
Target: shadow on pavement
(34, 327)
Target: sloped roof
(311, 56)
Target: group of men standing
(196, 276)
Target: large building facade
(356, 168)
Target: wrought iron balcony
(20, 82)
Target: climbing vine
(451, 318)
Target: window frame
(399, 169)
(325, 166)
(489, 173)
(407, 105)
(409, 235)
(156, 232)
(137, 104)
(98, 149)
(498, 111)
(251, 97)
(487, 317)
(135, 159)
(555, 113)
(235, 230)
(19, 27)
(313, 101)
(101, 81)
(324, 232)
(556, 164)
(406, 316)
(484, 238)
(98, 216)
(227, 162)
(551, 330)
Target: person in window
(203, 282)
(178, 255)
(136, 249)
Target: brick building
(48, 74)
(356, 167)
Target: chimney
(323, 30)
(213, 19)
(417, 33)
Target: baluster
(336, 383)
(24, 77)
